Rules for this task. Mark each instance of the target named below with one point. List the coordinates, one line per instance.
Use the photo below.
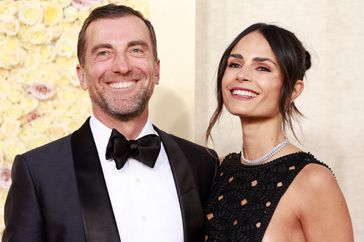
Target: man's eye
(136, 50)
(103, 53)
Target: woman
(271, 191)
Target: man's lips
(122, 85)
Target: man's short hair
(111, 11)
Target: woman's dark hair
(293, 60)
(110, 11)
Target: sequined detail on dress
(244, 198)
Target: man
(92, 185)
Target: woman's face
(252, 79)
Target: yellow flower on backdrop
(52, 14)
(30, 13)
(9, 26)
(39, 91)
(7, 8)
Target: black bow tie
(146, 149)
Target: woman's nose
(243, 74)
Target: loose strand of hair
(215, 116)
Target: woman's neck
(260, 136)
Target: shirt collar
(101, 133)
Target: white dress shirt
(144, 200)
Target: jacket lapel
(189, 199)
(97, 215)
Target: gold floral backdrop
(40, 97)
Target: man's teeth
(120, 85)
(244, 93)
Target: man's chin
(126, 115)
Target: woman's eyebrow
(256, 59)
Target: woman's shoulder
(307, 161)
(315, 174)
(319, 198)
(229, 158)
(316, 185)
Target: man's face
(119, 70)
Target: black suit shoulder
(51, 151)
(202, 161)
(194, 148)
(43, 202)
(49, 165)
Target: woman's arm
(323, 213)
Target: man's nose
(121, 64)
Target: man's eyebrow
(138, 42)
(256, 59)
(130, 44)
(100, 46)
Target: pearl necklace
(265, 157)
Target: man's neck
(130, 129)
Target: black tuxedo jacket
(58, 192)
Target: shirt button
(137, 180)
(143, 218)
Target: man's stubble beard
(130, 109)
(123, 110)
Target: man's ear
(157, 72)
(81, 77)
(297, 90)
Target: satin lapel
(191, 208)
(98, 218)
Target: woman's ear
(297, 90)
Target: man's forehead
(127, 21)
(125, 26)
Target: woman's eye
(234, 65)
(262, 68)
